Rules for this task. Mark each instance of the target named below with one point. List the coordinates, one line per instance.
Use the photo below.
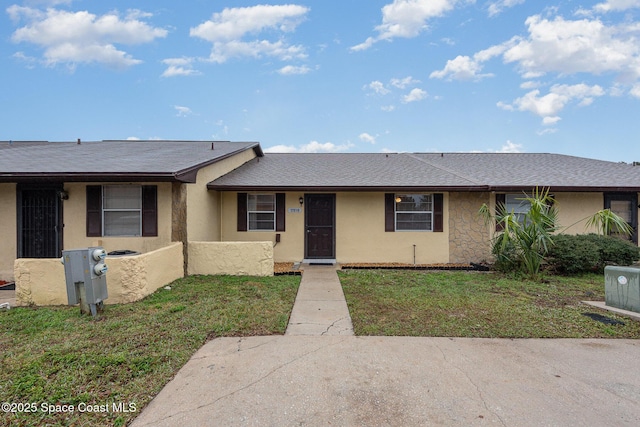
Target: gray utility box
(622, 287)
(85, 274)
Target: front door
(320, 215)
(624, 205)
(39, 221)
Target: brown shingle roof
(113, 160)
(429, 171)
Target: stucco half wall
(130, 278)
(233, 258)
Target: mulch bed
(289, 268)
(285, 268)
(401, 266)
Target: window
(122, 210)
(261, 212)
(414, 212)
(515, 203)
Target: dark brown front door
(320, 214)
(39, 221)
(626, 206)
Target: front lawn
(53, 359)
(470, 304)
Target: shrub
(573, 254)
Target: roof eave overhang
(95, 177)
(352, 188)
(426, 188)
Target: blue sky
(328, 75)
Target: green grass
(467, 304)
(56, 356)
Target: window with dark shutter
(389, 212)
(280, 211)
(438, 212)
(501, 203)
(94, 211)
(242, 212)
(149, 210)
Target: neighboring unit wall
(360, 232)
(233, 258)
(8, 230)
(130, 278)
(469, 236)
(75, 217)
(203, 206)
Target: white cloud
(414, 96)
(182, 111)
(578, 46)
(377, 87)
(407, 19)
(312, 147)
(291, 69)
(82, 37)
(403, 83)
(467, 68)
(179, 67)
(510, 147)
(367, 138)
(616, 5)
(460, 68)
(497, 7)
(548, 106)
(388, 108)
(227, 29)
(635, 90)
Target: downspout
(179, 220)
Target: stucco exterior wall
(574, 208)
(8, 230)
(360, 235)
(130, 278)
(233, 258)
(469, 239)
(75, 217)
(203, 206)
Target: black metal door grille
(39, 227)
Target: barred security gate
(39, 221)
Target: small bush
(574, 254)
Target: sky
(328, 75)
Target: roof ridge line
(456, 173)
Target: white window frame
(513, 203)
(428, 212)
(256, 211)
(106, 210)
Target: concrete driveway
(400, 381)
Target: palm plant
(525, 239)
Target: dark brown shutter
(501, 203)
(149, 210)
(389, 212)
(242, 211)
(94, 211)
(280, 211)
(438, 212)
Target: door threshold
(322, 261)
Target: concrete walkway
(309, 378)
(402, 381)
(320, 307)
